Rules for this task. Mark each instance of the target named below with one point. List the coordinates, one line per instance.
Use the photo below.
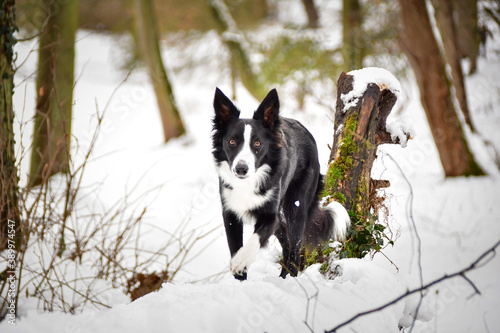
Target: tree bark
(443, 12)
(353, 48)
(10, 217)
(9, 205)
(55, 81)
(420, 46)
(147, 37)
(312, 13)
(468, 30)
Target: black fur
(292, 212)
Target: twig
(392, 262)
(309, 298)
(419, 242)
(471, 284)
(51, 226)
(474, 265)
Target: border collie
(269, 177)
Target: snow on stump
(365, 99)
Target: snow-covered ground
(456, 219)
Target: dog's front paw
(238, 267)
(245, 256)
(240, 277)
(239, 263)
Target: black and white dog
(269, 177)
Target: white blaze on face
(245, 157)
(244, 192)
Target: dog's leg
(245, 256)
(234, 234)
(296, 232)
(264, 228)
(282, 234)
(295, 216)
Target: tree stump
(360, 127)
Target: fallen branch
(474, 265)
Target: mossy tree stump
(359, 129)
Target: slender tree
(352, 38)
(420, 46)
(312, 13)
(54, 86)
(465, 12)
(10, 219)
(235, 42)
(9, 209)
(443, 11)
(147, 38)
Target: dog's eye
(257, 144)
(232, 142)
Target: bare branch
(474, 265)
(417, 236)
(309, 298)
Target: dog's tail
(324, 224)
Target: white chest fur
(242, 195)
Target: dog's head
(247, 145)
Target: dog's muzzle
(241, 169)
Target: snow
(457, 219)
(399, 131)
(362, 77)
(268, 305)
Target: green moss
(312, 258)
(348, 146)
(320, 254)
(365, 236)
(344, 162)
(360, 200)
(324, 267)
(340, 197)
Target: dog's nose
(241, 169)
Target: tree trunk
(359, 131)
(443, 12)
(234, 40)
(147, 36)
(468, 30)
(9, 208)
(312, 13)
(419, 44)
(54, 85)
(352, 38)
(10, 217)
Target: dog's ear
(268, 110)
(224, 109)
